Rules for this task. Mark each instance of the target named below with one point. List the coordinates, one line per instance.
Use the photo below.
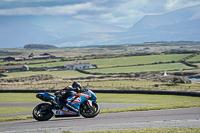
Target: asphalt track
(173, 118)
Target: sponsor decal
(78, 99)
(68, 105)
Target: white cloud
(123, 14)
(55, 10)
(117, 12)
(28, 0)
(177, 4)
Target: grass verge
(153, 107)
(16, 118)
(13, 110)
(149, 130)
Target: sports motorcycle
(84, 103)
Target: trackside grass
(149, 130)
(153, 107)
(16, 118)
(106, 98)
(12, 110)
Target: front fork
(89, 103)
(89, 106)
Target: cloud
(177, 4)
(55, 10)
(27, 0)
(122, 13)
(127, 12)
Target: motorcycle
(84, 103)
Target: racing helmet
(77, 85)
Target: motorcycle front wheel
(40, 112)
(90, 112)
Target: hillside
(39, 46)
(179, 25)
(17, 31)
(183, 24)
(65, 31)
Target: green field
(146, 68)
(126, 62)
(61, 74)
(107, 62)
(132, 69)
(51, 64)
(134, 60)
(196, 58)
(106, 66)
(29, 62)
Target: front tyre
(90, 112)
(40, 112)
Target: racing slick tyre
(40, 112)
(90, 112)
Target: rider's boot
(54, 103)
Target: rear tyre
(40, 112)
(90, 112)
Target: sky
(123, 13)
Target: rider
(68, 91)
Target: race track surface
(189, 117)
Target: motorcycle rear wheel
(40, 112)
(88, 113)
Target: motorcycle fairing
(45, 96)
(93, 97)
(77, 99)
(63, 112)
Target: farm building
(47, 54)
(14, 68)
(8, 59)
(42, 56)
(77, 65)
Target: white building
(77, 65)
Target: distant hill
(65, 31)
(39, 46)
(179, 25)
(16, 31)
